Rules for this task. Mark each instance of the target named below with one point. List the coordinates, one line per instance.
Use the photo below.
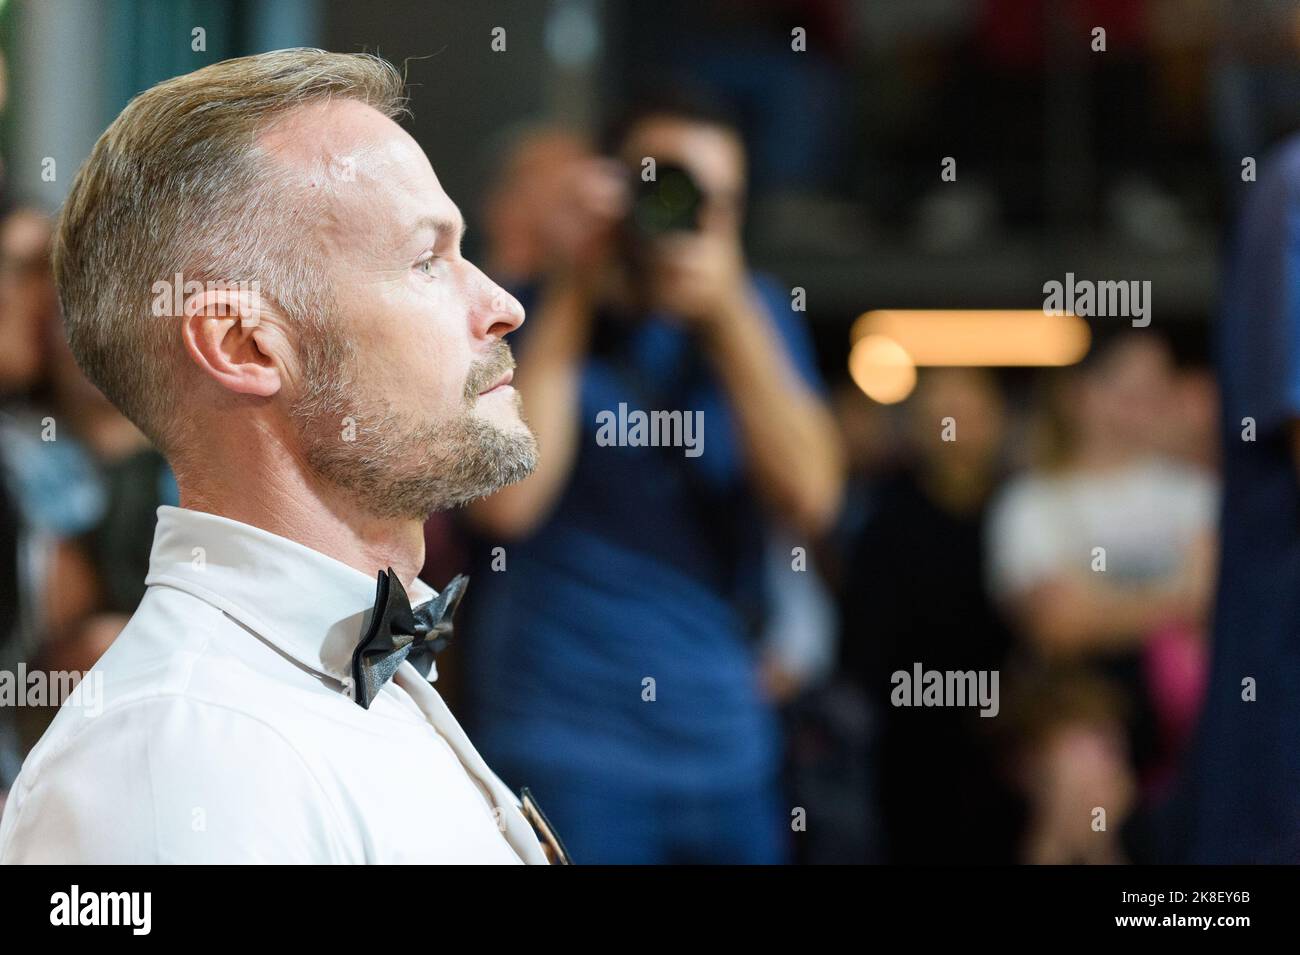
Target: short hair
(178, 184)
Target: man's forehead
(364, 167)
(338, 129)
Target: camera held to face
(670, 202)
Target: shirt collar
(309, 606)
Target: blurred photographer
(614, 616)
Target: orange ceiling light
(890, 344)
(980, 337)
(882, 368)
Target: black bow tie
(396, 633)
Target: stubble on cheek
(404, 463)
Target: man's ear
(236, 338)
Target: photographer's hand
(581, 217)
(699, 278)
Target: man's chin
(502, 415)
(522, 458)
(505, 453)
(515, 458)
(402, 472)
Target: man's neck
(287, 500)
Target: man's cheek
(445, 382)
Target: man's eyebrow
(442, 225)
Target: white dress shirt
(227, 730)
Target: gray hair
(179, 184)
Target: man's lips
(501, 382)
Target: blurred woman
(1104, 555)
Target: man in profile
(335, 372)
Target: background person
(628, 564)
(1241, 799)
(1103, 555)
(914, 593)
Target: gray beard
(395, 466)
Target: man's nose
(497, 313)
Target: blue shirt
(1245, 780)
(649, 568)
